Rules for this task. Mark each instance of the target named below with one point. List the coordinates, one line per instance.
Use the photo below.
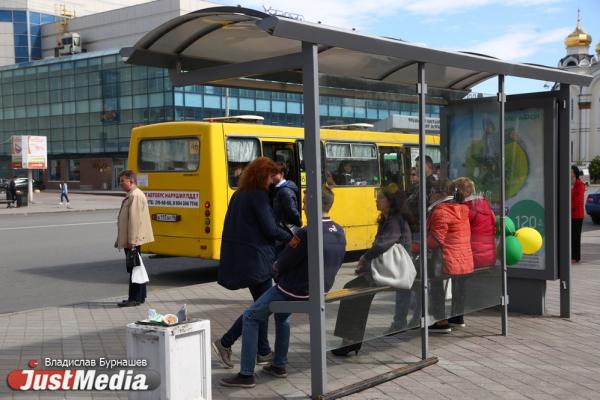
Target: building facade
(21, 24)
(585, 101)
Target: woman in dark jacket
(392, 228)
(248, 249)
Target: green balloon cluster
(525, 240)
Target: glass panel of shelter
(358, 309)
(464, 271)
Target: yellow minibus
(189, 170)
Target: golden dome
(598, 48)
(578, 37)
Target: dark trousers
(437, 299)
(64, 196)
(137, 291)
(235, 331)
(576, 225)
(353, 313)
(458, 295)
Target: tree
(595, 169)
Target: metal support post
(564, 202)
(504, 299)
(312, 154)
(422, 91)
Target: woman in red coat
(577, 194)
(448, 230)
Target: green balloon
(514, 250)
(509, 226)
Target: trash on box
(155, 318)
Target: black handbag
(435, 263)
(131, 259)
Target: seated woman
(392, 228)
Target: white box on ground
(180, 354)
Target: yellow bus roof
(182, 128)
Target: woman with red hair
(250, 233)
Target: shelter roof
(221, 36)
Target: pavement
(543, 357)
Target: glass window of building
(73, 166)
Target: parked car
(21, 184)
(592, 207)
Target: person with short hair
(12, 191)
(285, 200)
(134, 228)
(250, 233)
(291, 274)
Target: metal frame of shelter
(226, 45)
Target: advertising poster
(474, 152)
(29, 152)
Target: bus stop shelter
(238, 47)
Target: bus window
(392, 166)
(174, 154)
(240, 151)
(352, 164)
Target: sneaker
(223, 353)
(457, 321)
(438, 327)
(264, 360)
(239, 380)
(278, 372)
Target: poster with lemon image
(474, 152)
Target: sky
(530, 31)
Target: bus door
(394, 162)
(285, 151)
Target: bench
(348, 293)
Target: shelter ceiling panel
(175, 34)
(337, 61)
(440, 76)
(241, 42)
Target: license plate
(166, 217)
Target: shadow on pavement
(164, 272)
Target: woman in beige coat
(134, 228)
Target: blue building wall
(27, 28)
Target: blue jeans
(257, 314)
(235, 331)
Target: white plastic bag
(139, 274)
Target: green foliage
(595, 169)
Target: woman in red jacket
(577, 194)
(448, 231)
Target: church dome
(578, 37)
